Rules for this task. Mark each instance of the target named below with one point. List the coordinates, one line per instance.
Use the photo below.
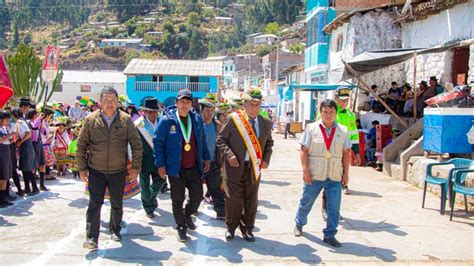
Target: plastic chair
(459, 186)
(458, 163)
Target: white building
(264, 39)
(88, 83)
(128, 43)
(223, 20)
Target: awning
(370, 61)
(317, 87)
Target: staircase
(397, 153)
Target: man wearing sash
(146, 127)
(245, 142)
(324, 155)
(181, 153)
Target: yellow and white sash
(140, 123)
(250, 140)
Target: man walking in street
(213, 177)
(347, 118)
(102, 156)
(245, 142)
(181, 154)
(324, 156)
(146, 127)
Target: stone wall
(416, 172)
(427, 65)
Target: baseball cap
(185, 93)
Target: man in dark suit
(245, 142)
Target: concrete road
(383, 223)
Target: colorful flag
(4, 77)
(5, 94)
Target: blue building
(318, 15)
(164, 78)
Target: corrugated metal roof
(71, 76)
(174, 67)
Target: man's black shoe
(189, 223)
(90, 244)
(182, 236)
(150, 215)
(4, 204)
(229, 235)
(298, 231)
(220, 216)
(115, 236)
(248, 236)
(44, 188)
(20, 193)
(34, 192)
(332, 241)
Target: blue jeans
(310, 194)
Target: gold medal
(187, 147)
(328, 155)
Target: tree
(16, 36)
(296, 48)
(263, 50)
(272, 28)
(4, 26)
(193, 19)
(197, 49)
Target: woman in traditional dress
(47, 139)
(34, 122)
(5, 162)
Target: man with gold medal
(181, 154)
(324, 155)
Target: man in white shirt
(75, 112)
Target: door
(460, 65)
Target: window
(85, 88)
(339, 41)
(226, 68)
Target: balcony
(171, 86)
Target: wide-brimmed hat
(25, 101)
(223, 108)
(150, 104)
(236, 102)
(253, 94)
(210, 100)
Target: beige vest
(320, 167)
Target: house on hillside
(228, 68)
(264, 39)
(124, 43)
(164, 78)
(223, 20)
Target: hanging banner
(5, 94)
(4, 77)
(51, 64)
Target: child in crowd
(5, 154)
(60, 147)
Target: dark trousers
(214, 181)
(188, 179)
(151, 184)
(29, 177)
(287, 130)
(15, 177)
(98, 182)
(241, 206)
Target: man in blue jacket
(181, 153)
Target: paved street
(383, 223)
